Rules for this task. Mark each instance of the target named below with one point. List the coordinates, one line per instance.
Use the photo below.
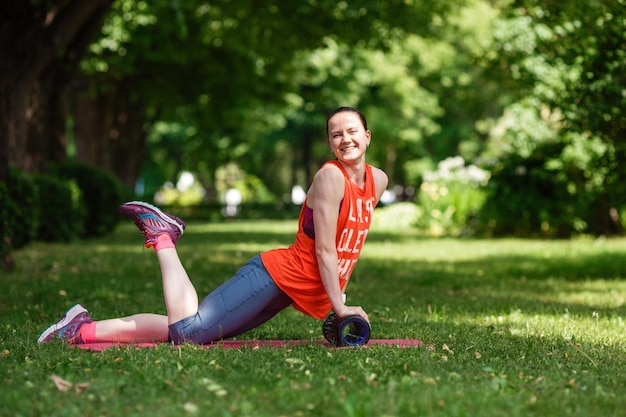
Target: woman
(311, 274)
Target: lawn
(513, 327)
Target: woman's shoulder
(330, 169)
(329, 179)
(378, 173)
(380, 179)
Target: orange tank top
(295, 270)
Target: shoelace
(143, 227)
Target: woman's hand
(351, 311)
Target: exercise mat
(253, 344)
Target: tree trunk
(109, 133)
(39, 47)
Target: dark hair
(343, 110)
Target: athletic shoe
(152, 222)
(68, 328)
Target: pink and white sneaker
(68, 328)
(152, 222)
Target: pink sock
(88, 332)
(164, 241)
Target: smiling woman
(311, 274)
(348, 136)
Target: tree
(217, 68)
(423, 92)
(381, 82)
(566, 64)
(42, 43)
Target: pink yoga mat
(253, 344)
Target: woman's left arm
(381, 180)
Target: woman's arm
(381, 180)
(324, 198)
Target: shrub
(450, 197)
(5, 233)
(101, 194)
(23, 208)
(398, 216)
(62, 215)
(526, 199)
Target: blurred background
(491, 117)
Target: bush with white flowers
(449, 197)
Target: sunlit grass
(513, 327)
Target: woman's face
(347, 137)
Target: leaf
(83, 386)
(447, 349)
(430, 381)
(190, 407)
(64, 385)
(61, 384)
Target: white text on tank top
(353, 235)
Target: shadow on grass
(493, 284)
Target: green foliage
(62, 214)
(450, 197)
(526, 199)
(396, 217)
(251, 188)
(232, 76)
(188, 191)
(422, 92)
(566, 66)
(43, 207)
(524, 126)
(384, 84)
(22, 207)
(503, 81)
(514, 327)
(5, 224)
(100, 192)
(453, 70)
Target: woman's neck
(355, 171)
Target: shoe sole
(67, 318)
(159, 213)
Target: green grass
(515, 327)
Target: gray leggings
(245, 301)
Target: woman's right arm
(324, 198)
